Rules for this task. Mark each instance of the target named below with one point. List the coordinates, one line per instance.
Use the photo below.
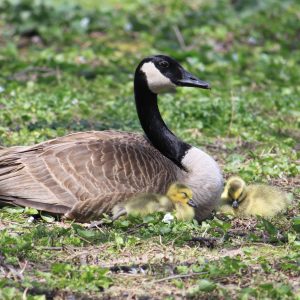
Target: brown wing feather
(84, 174)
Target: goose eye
(163, 64)
(184, 194)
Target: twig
(260, 244)
(52, 248)
(160, 241)
(132, 275)
(234, 233)
(178, 276)
(82, 238)
(179, 37)
(16, 274)
(58, 75)
(24, 296)
(132, 230)
(24, 267)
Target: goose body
(177, 198)
(85, 174)
(256, 199)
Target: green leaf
(13, 210)
(86, 233)
(182, 269)
(119, 240)
(165, 229)
(206, 285)
(269, 227)
(60, 268)
(124, 224)
(148, 219)
(47, 218)
(31, 211)
(296, 223)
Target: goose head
(163, 74)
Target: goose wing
(83, 174)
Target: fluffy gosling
(241, 200)
(178, 198)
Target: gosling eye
(163, 64)
(185, 195)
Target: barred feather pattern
(83, 175)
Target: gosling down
(178, 198)
(256, 199)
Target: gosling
(178, 198)
(262, 200)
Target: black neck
(153, 125)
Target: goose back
(83, 174)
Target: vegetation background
(68, 66)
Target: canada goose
(255, 199)
(178, 198)
(85, 174)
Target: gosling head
(180, 194)
(236, 189)
(164, 74)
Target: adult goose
(85, 174)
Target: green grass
(69, 67)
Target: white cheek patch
(157, 82)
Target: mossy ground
(69, 67)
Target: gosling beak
(189, 79)
(191, 203)
(235, 204)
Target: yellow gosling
(256, 199)
(181, 198)
(178, 198)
